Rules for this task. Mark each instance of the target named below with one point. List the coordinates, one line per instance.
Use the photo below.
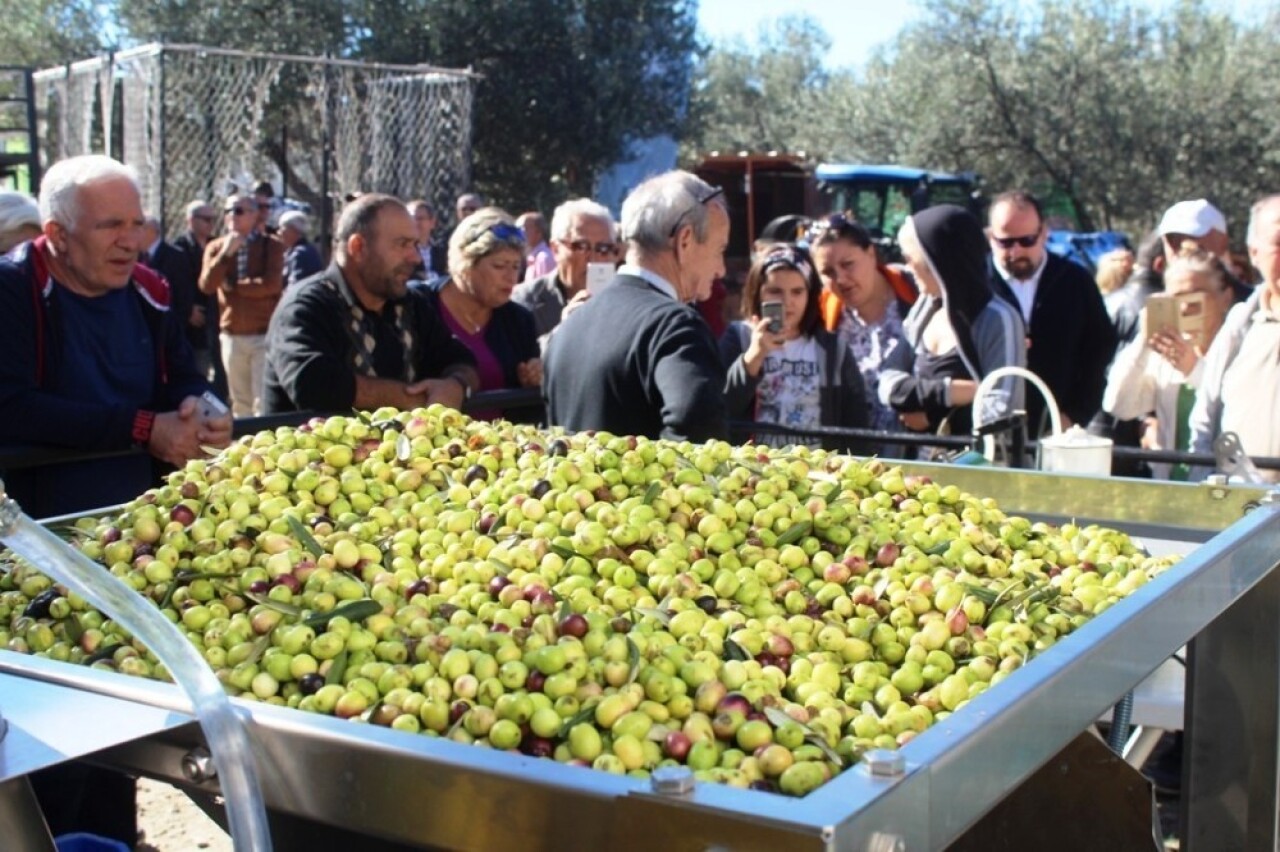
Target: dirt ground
(170, 822)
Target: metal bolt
(672, 781)
(883, 762)
(197, 766)
(881, 842)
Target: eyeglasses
(599, 248)
(238, 211)
(1009, 242)
(704, 200)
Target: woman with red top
(486, 260)
(864, 302)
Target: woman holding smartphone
(782, 366)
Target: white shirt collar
(650, 277)
(1035, 276)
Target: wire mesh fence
(199, 122)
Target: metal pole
(33, 144)
(326, 202)
(160, 127)
(1230, 771)
(21, 822)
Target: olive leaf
(659, 615)
(279, 606)
(795, 533)
(259, 648)
(734, 651)
(503, 568)
(778, 718)
(73, 629)
(633, 655)
(354, 611)
(304, 536)
(565, 610)
(586, 714)
(651, 493)
(102, 654)
(562, 551)
(982, 593)
(337, 668)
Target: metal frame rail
(1224, 598)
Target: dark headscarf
(956, 249)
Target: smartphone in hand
(772, 311)
(599, 275)
(212, 408)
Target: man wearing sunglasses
(245, 268)
(1070, 338)
(637, 358)
(581, 233)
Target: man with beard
(1070, 338)
(355, 336)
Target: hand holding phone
(599, 275)
(772, 311)
(211, 408)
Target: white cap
(1193, 218)
(294, 219)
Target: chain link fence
(199, 122)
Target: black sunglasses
(1009, 242)
(237, 211)
(706, 199)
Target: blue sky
(857, 26)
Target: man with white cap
(301, 259)
(1196, 227)
(1189, 227)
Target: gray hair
(195, 207)
(1255, 214)
(564, 217)
(658, 207)
(60, 186)
(17, 209)
(295, 219)
(474, 238)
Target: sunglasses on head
(598, 248)
(839, 225)
(1009, 242)
(505, 232)
(706, 199)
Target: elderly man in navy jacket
(637, 358)
(1070, 338)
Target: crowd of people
(116, 332)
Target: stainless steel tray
(1224, 599)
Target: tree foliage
(774, 96)
(566, 83)
(1115, 108)
(42, 33)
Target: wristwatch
(466, 387)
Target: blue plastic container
(81, 842)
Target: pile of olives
(762, 616)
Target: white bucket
(1076, 451)
(1073, 451)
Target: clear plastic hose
(228, 740)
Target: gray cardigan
(842, 397)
